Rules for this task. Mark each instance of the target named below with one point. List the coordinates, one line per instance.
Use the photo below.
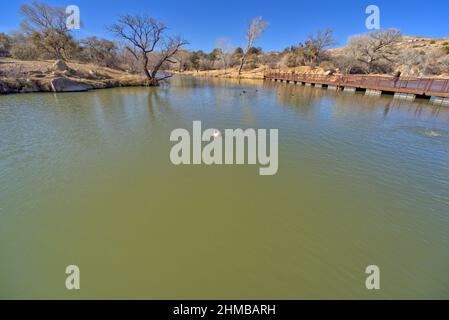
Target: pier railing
(418, 86)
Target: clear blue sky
(202, 22)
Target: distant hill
(421, 45)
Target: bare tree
(42, 17)
(315, 45)
(255, 29)
(182, 57)
(226, 50)
(5, 45)
(375, 50)
(146, 37)
(347, 64)
(100, 51)
(47, 27)
(444, 61)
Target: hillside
(413, 53)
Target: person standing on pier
(396, 77)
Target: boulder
(30, 86)
(68, 73)
(60, 65)
(63, 84)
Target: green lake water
(86, 179)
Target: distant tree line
(142, 46)
(378, 52)
(44, 35)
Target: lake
(86, 180)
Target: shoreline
(19, 77)
(58, 77)
(254, 74)
(27, 87)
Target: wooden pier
(403, 88)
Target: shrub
(22, 48)
(24, 51)
(99, 51)
(444, 62)
(5, 45)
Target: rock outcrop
(62, 84)
(61, 66)
(56, 76)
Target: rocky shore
(50, 76)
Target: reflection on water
(86, 180)
(432, 133)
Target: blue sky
(202, 22)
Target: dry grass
(230, 73)
(257, 73)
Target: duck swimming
(217, 133)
